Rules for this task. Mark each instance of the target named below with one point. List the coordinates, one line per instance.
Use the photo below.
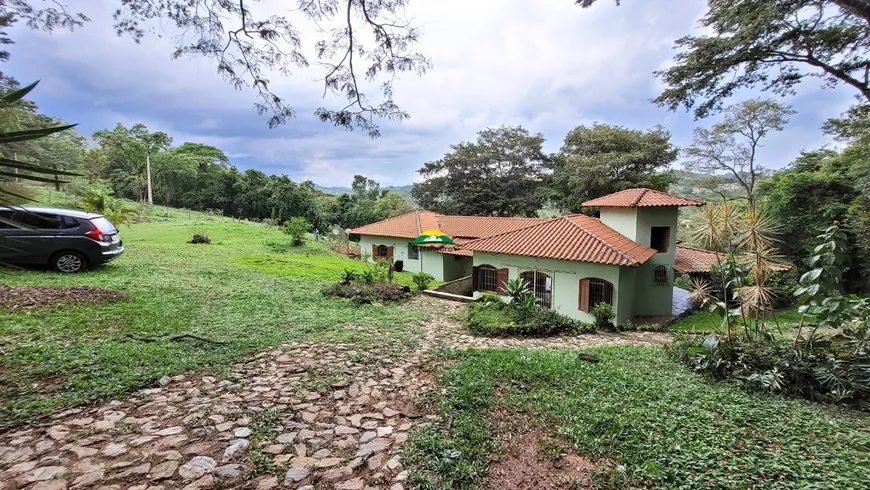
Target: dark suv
(68, 241)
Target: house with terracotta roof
(625, 257)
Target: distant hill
(404, 190)
(696, 185)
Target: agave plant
(11, 168)
(516, 289)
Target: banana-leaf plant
(36, 172)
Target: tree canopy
(364, 42)
(769, 44)
(601, 159)
(500, 174)
(731, 145)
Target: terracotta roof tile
(482, 226)
(412, 224)
(577, 238)
(691, 259)
(639, 198)
(409, 225)
(462, 252)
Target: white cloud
(547, 65)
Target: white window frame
(480, 282)
(551, 276)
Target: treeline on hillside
(189, 175)
(505, 171)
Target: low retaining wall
(461, 287)
(456, 290)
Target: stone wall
(460, 287)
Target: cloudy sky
(546, 65)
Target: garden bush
(422, 280)
(369, 293)
(834, 371)
(297, 227)
(493, 317)
(604, 315)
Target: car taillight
(95, 234)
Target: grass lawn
(247, 289)
(658, 424)
(703, 320)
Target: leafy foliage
(838, 373)
(371, 42)
(12, 135)
(297, 227)
(496, 318)
(602, 159)
(500, 174)
(422, 280)
(368, 293)
(769, 44)
(604, 315)
(348, 276)
(731, 145)
(819, 188)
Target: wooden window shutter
(584, 295)
(474, 278)
(501, 278)
(390, 253)
(374, 251)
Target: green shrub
(604, 315)
(348, 276)
(489, 298)
(369, 293)
(499, 319)
(422, 280)
(368, 276)
(683, 281)
(297, 227)
(836, 371)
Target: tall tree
(365, 188)
(366, 43)
(151, 144)
(731, 145)
(772, 44)
(601, 159)
(500, 174)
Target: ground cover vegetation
(645, 420)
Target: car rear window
(104, 225)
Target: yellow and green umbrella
(433, 237)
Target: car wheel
(69, 262)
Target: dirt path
(324, 414)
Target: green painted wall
(455, 269)
(653, 299)
(566, 281)
(400, 249)
(627, 293)
(442, 267)
(623, 220)
(433, 263)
